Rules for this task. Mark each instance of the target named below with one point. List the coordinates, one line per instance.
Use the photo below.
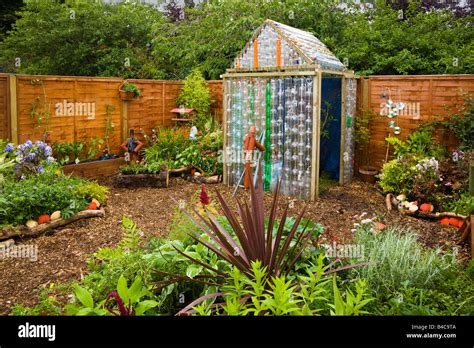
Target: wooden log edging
(160, 180)
(24, 231)
(94, 169)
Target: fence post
(13, 109)
(124, 120)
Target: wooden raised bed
(95, 169)
(160, 180)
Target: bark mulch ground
(62, 255)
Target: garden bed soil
(62, 255)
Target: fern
(131, 239)
(129, 242)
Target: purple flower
(28, 143)
(9, 148)
(16, 167)
(48, 151)
(40, 169)
(49, 160)
(31, 156)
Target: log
(180, 170)
(215, 179)
(23, 231)
(433, 216)
(388, 201)
(143, 180)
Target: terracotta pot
(368, 173)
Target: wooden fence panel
(153, 108)
(76, 107)
(426, 99)
(4, 108)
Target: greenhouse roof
(302, 48)
(309, 45)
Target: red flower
(204, 197)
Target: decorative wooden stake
(255, 54)
(278, 52)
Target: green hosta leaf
(135, 291)
(143, 306)
(84, 296)
(122, 289)
(193, 270)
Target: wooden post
(74, 95)
(13, 109)
(343, 131)
(315, 150)
(163, 104)
(224, 122)
(365, 94)
(318, 133)
(124, 120)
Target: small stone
(56, 215)
(31, 223)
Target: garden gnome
(132, 146)
(250, 143)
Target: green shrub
(452, 296)
(419, 143)
(397, 176)
(464, 205)
(196, 95)
(168, 145)
(396, 257)
(92, 190)
(45, 193)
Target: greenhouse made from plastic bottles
(301, 99)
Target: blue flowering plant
(30, 158)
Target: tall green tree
(82, 38)
(8, 16)
(386, 41)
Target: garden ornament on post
(250, 143)
(193, 133)
(132, 146)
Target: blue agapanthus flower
(9, 148)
